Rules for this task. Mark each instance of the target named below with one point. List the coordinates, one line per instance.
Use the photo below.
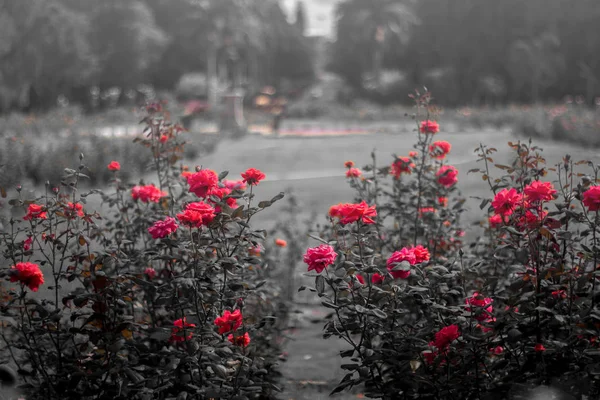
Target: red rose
(179, 332)
(73, 210)
(29, 274)
(443, 201)
(234, 185)
(280, 243)
(495, 221)
(402, 165)
(421, 254)
(163, 138)
(348, 213)
(161, 229)
(148, 193)
(150, 272)
(506, 201)
(497, 350)
(485, 303)
(447, 176)
(539, 347)
(377, 279)
(319, 258)
(229, 321)
(114, 166)
(445, 336)
(591, 198)
(35, 211)
(439, 149)
(429, 127)
(353, 173)
(197, 214)
(27, 243)
(349, 164)
(202, 182)
(413, 154)
(223, 193)
(396, 258)
(360, 278)
(242, 341)
(539, 191)
(252, 176)
(559, 294)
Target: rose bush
(425, 315)
(161, 297)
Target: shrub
(162, 297)
(426, 316)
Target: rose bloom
(396, 258)
(413, 154)
(319, 258)
(202, 182)
(445, 336)
(280, 243)
(531, 219)
(443, 201)
(377, 279)
(428, 126)
(539, 347)
(164, 138)
(197, 214)
(180, 333)
(148, 193)
(439, 149)
(349, 213)
(255, 250)
(252, 176)
(559, 294)
(421, 254)
(114, 166)
(495, 221)
(402, 165)
(360, 278)
(447, 176)
(426, 210)
(73, 210)
(150, 272)
(485, 303)
(242, 341)
(35, 211)
(349, 164)
(234, 185)
(222, 193)
(539, 191)
(27, 243)
(591, 198)
(161, 229)
(353, 173)
(497, 350)
(29, 274)
(506, 201)
(229, 321)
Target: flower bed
(164, 297)
(425, 315)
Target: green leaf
(277, 197)
(223, 174)
(264, 204)
(320, 284)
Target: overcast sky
(320, 15)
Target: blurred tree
(300, 17)
(375, 29)
(43, 51)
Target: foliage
(428, 316)
(486, 51)
(128, 303)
